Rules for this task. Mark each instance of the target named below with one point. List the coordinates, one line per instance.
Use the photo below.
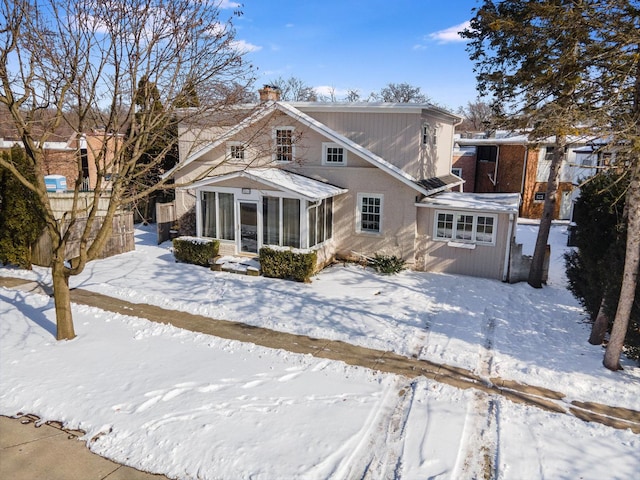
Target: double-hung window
(284, 147)
(465, 227)
(369, 213)
(429, 135)
(333, 154)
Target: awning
(438, 184)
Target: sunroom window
(465, 227)
(218, 218)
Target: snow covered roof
(487, 202)
(299, 185)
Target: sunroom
(252, 208)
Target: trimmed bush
(288, 264)
(387, 264)
(198, 251)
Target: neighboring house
(61, 158)
(347, 180)
(511, 163)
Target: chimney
(269, 92)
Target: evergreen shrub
(288, 264)
(198, 251)
(387, 264)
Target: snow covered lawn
(193, 406)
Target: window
(281, 221)
(369, 213)
(235, 151)
(218, 219)
(333, 154)
(284, 144)
(539, 196)
(457, 171)
(320, 222)
(465, 227)
(429, 135)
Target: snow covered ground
(198, 407)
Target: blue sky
(361, 44)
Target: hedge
(198, 251)
(288, 264)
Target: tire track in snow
(477, 457)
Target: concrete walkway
(382, 361)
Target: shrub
(288, 264)
(387, 264)
(198, 251)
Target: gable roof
(301, 186)
(321, 128)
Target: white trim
(274, 136)
(459, 174)
(325, 154)
(360, 197)
(230, 155)
(452, 241)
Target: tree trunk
(540, 251)
(629, 276)
(599, 327)
(62, 299)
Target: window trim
(230, 147)
(325, 154)
(429, 135)
(275, 154)
(359, 228)
(459, 169)
(474, 232)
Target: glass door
(248, 227)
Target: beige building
(344, 179)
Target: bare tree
(477, 116)
(88, 57)
(402, 93)
(293, 89)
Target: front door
(249, 227)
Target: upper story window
(429, 135)
(333, 154)
(283, 139)
(235, 151)
(457, 171)
(465, 227)
(369, 218)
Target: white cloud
(419, 46)
(329, 91)
(229, 4)
(451, 34)
(244, 46)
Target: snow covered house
(344, 179)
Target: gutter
(507, 253)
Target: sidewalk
(28, 452)
(15, 452)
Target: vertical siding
(483, 261)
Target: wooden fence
(165, 221)
(121, 240)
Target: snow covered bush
(288, 263)
(198, 251)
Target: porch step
(241, 265)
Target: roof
(319, 127)
(299, 185)
(486, 202)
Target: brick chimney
(269, 92)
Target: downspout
(507, 253)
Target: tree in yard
(83, 62)
(21, 220)
(530, 57)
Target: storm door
(248, 227)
